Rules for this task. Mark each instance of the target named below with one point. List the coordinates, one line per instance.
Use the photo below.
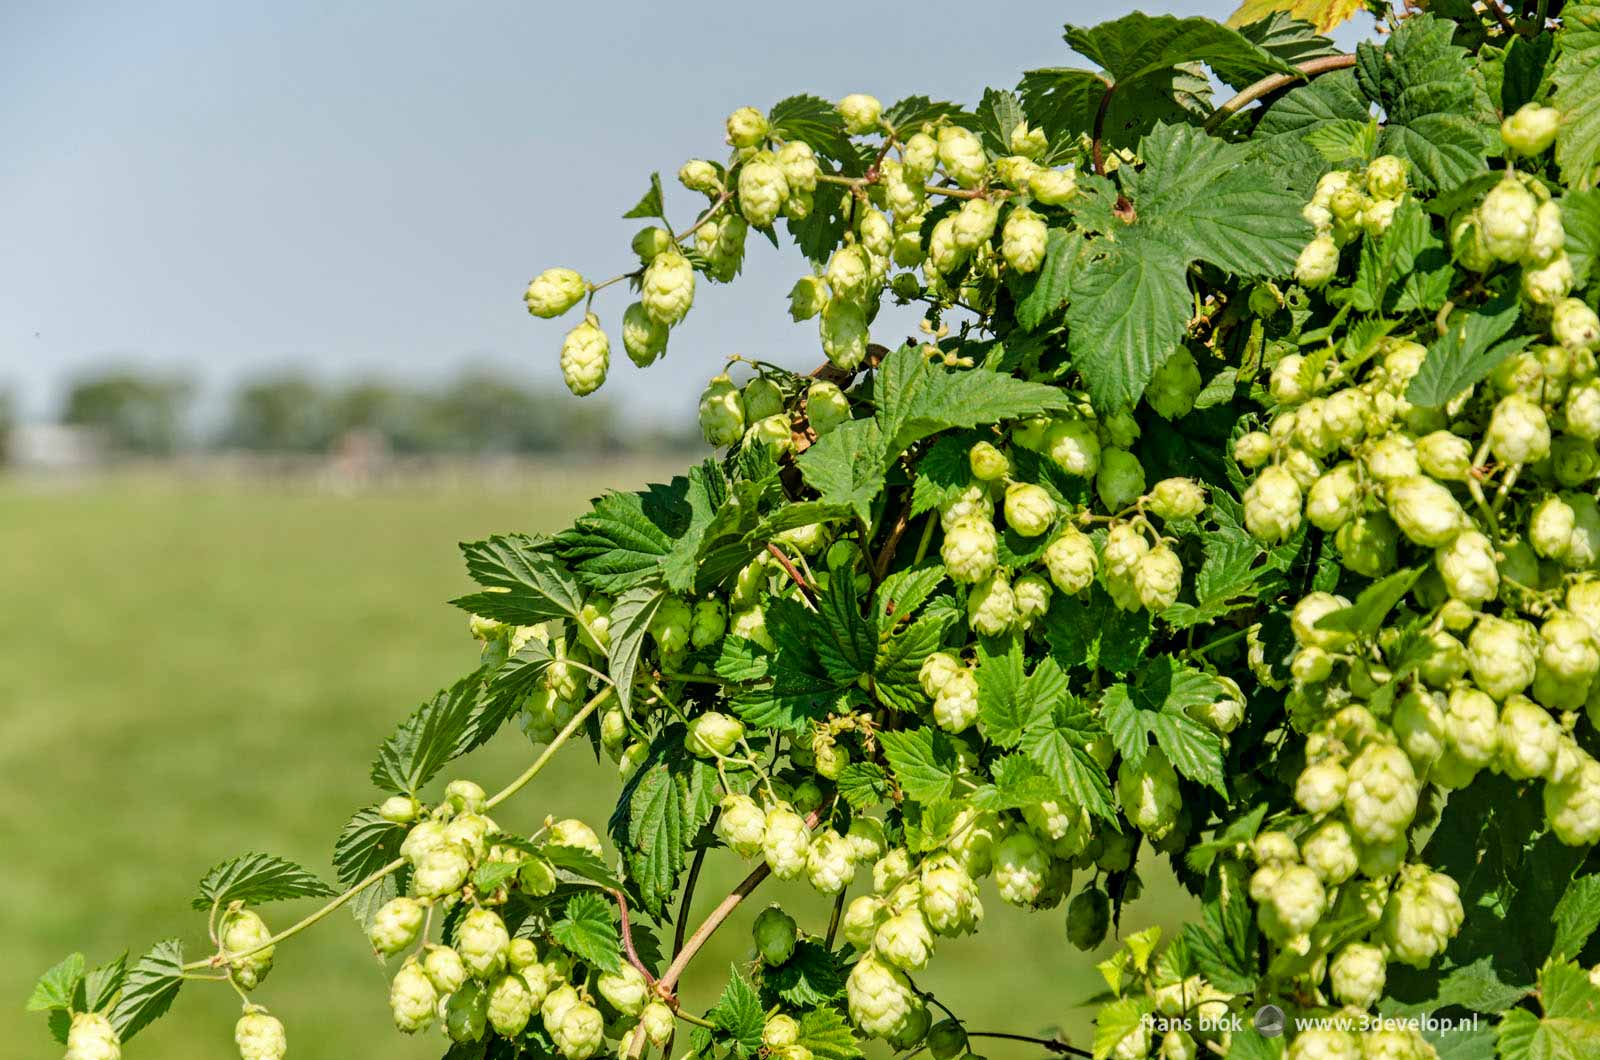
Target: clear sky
(230, 188)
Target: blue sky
(228, 189)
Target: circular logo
(1269, 1021)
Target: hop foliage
(1236, 506)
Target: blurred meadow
(195, 668)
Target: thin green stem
(344, 899)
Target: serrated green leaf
(1576, 76)
(424, 743)
(912, 113)
(942, 473)
(1114, 1022)
(917, 399)
(1406, 268)
(1039, 294)
(1155, 704)
(101, 986)
(1466, 353)
(787, 688)
(631, 613)
(1570, 1026)
(999, 113)
(1280, 34)
(1524, 68)
(814, 120)
(1580, 216)
(588, 931)
(524, 585)
(1137, 45)
(826, 1033)
(56, 987)
(579, 862)
(811, 976)
(901, 593)
(1090, 631)
(658, 815)
(1435, 104)
(367, 844)
(490, 875)
(897, 670)
(1365, 616)
(257, 878)
(844, 642)
(148, 992)
(1063, 103)
(862, 785)
(1058, 745)
(1576, 917)
(738, 1014)
(923, 760)
(846, 466)
(628, 538)
(651, 203)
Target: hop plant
(247, 943)
(259, 1036)
(585, 357)
(554, 291)
(414, 997)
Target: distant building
(53, 447)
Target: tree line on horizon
(478, 413)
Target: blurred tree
(286, 413)
(134, 413)
(8, 419)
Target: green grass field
(190, 671)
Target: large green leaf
(439, 730)
(588, 931)
(524, 584)
(1137, 46)
(1197, 198)
(149, 990)
(367, 844)
(1155, 704)
(923, 761)
(1437, 111)
(257, 878)
(1569, 1028)
(658, 815)
(1466, 353)
(1576, 76)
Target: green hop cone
(657, 1021)
(1531, 130)
(785, 842)
(1071, 560)
(396, 925)
(642, 337)
(585, 357)
(861, 113)
(413, 998)
(259, 1036)
(762, 398)
(1177, 498)
(400, 809)
(580, 1033)
(667, 290)
(1053, 187)
(1029, 509)
(1088, 917)
(554, 291)
(844, 334)
(92, 1037)
(648, 242)
(747, 127)
(946, 1039)
(992, 606)
(1174, 386)
(742, 825)
(1357, 974)
(799, 164)
(919, 157)
(466, 1013)
(1318, 262)
(510, 1005)
(774, 932)
(482, 941)
(444, 969)
(465, 796)
(826, 407)
(708, 624)
(970, 549)
(961, 153)
(987, 462)
(807, 298)
(713, 735)
(722, 416)
(441, 871)
(571, 832)
(1023, 240)
(625, 989)
(244, 933)
(1030, 143)
(1121, 479)
(1149, 793)
(881, 999)
(830, 861)
(762, 189)
(699, 175)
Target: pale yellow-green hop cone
(642, 337)
(962, 155)
(259, 1036)
(246, 934)
(1531, 130)
(762, 189)
(554, 291)
(482, 941)
(826, 407)
(722, 416)
(667, 290)
(92, 1037)
(861, 113)
(747, 127)
(713, 735)
(413, 998)
(396, 925)
(585, 357)
(510, 1005)
(1023, 240)
(807, 298)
